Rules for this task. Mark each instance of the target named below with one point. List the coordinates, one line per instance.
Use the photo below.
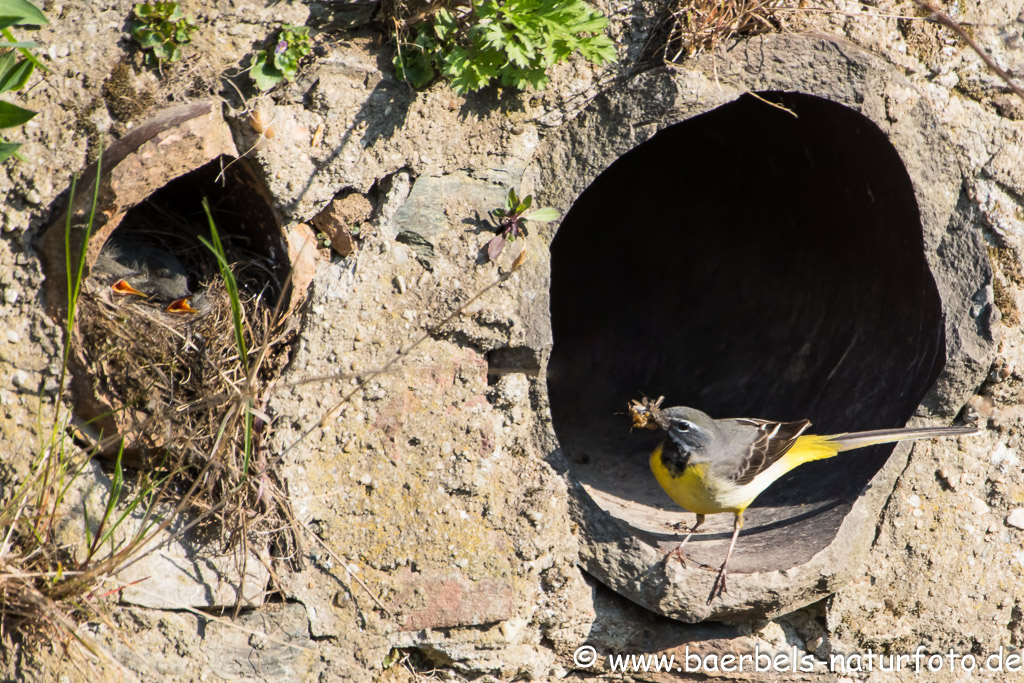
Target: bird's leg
(678, 552)
(719, 587)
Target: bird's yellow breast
(698, 492)
(690, 489)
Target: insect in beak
(646, 414)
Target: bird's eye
(681, 425)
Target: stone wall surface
(441, 533)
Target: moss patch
(1006, 281)
(124, 102)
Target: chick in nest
(145, 270)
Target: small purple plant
(511, 222)
(272, 66)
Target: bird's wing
(770, 441)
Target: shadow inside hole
(173, 219)
(749, 262)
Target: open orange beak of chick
(181, 306)
(122, 288)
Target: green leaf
(164, 51)
(23, 11)
(12, 115)
(8, 148)
(516, 55)
(536, 78)
(162, 28)
(445, 25)
(147, 37)
(14, 77)
(6, 63)
(24, 44)
(524, 205)
(414, 69)
(263, 73)
(599, 50)
(414, 62)
(465, 74)
(287, 63)
(515, 41)
(592, 23)
(545, 215)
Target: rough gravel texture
(445, 538)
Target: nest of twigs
(690, 27)
(179, 381)
(183, 398)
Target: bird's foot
(678, 554)
(719, 586)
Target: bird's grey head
(689, 433)
(151, 268)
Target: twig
(341, 561)
(956, 28)
(773, 104)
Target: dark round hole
(754, 261)
(174, 218)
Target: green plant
(512, 221)
(161, 28)
(15, 71)
(391, 659)
(45, 585)
(514, 41)
(270, 67)
(215, 246)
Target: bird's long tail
(851, 440)
(811, 447)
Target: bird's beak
(181, 307)
(123, 288)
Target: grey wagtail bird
(157, 274)
(709, 466)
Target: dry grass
(191, 408)
(51, 585)
(187, 374)
(691, 27)
(402, 15)
(47, 588)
